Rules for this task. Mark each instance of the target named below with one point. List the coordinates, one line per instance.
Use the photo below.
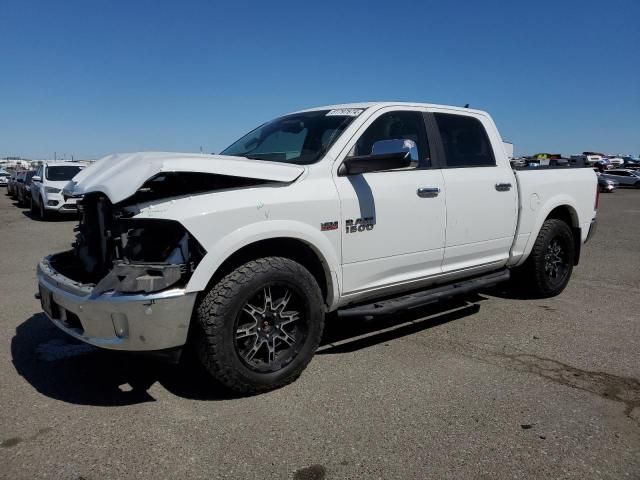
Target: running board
(426, 297)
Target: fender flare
(560, 200)
(268, 230)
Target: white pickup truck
(360, 209)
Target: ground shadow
(52, 218)
(63, 368)
(350, 334)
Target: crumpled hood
(120, 175)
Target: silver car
(624, 177)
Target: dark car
(630, 163)
(23, 188)
(11, 184)
(606, 185)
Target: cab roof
(365, 105)
(64, 164)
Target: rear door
(480, 192)
(392, 221)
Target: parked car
(624, 177)
(587, 158)
(631, 163)
(616, 162)
(4, 178)
(11, 184)
(336, 209)
(19, 183)
(47, 185)
(606, 185)
(23, 188)
(603, 164)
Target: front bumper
(56, 202)
(116, 321)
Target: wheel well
(292, 248)
(569, 216)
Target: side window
(392, 131)
(465, 141)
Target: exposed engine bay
(115, 251)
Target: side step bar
(426, 297)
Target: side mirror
(36, 178)
(385, 155)
(374, 163)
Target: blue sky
(92, 77)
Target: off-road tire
(218, 309)
(532, 278)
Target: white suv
(47, 185)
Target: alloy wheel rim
(271, 328)
(555, 266)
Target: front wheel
(259, 326)
(547, 271)
(42, 212)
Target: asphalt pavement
(487, 387)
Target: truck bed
(543, 189)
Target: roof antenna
(466, 105)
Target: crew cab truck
(359, 209)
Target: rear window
(465, 141)
(62, 173)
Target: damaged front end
(115, 252)
(123, 285)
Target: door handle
(428, 192)
(503, 187)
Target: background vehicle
(631, 163)
(588, 158)
(46, 188)
(624, 177)
(616, 161)
(19, 182)
(603, 164)
(23, 188)
(606, 185)
(4, 178)
(360, 209)
(11, 184)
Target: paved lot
(487, 388)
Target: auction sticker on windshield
(345, 112)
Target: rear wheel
(547, 271)
(260, 325)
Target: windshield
(62, 173)
(301, 138)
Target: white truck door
(480, 192)
(392, 221)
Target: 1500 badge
(359, 225)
